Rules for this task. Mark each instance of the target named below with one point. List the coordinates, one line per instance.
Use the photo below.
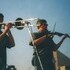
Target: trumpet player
(6, 41)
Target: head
(42, 25)
(1, 19)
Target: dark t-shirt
(4, 43)
(45, 49)
(47, 46)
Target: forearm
(3, 34)
(39, 40)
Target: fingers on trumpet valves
(9, 25)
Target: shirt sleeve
(7, 42)
(34, 36)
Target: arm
(2, 35)
(6, 30)
(39, 40)
(62, 40)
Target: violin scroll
(67, 35)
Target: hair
(42, 21)
(1, 15)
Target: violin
(57, 33)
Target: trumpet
(20, 23)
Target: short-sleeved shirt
(47, 45)
(45, 49)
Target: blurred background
(54, 11)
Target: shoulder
(36, 33)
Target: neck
(45, 30)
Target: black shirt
(47, 46)
(3, 44)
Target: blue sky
(52, 10)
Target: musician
(6, 40)
(45, 46)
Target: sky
(54, 11)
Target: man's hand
(7, 27)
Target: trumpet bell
(18, 23)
